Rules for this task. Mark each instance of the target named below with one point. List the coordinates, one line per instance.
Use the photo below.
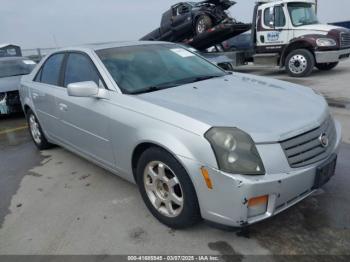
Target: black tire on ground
(38, 135)
(203, 23)
(190, 212)
(326, 66)
(300, 63)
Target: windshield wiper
(173, 84)
(151, 89)
(199, 78)
(202, 78)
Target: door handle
(262, 39)
(63, 107)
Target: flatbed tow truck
(284, 34)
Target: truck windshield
(15, 67)
(148, 68)
(302, 13)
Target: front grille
(345, 40)
(307, 148)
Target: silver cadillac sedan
(199, 142)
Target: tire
(36, 131)
(203, 23)
(326, 66)
(300, 63)
(160, 189)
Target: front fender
(181, 144)
(24, 95)
(305, 42)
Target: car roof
(101, 46)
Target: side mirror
(83, 89)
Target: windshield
(15, 67)
(302, 13)
(147, 68)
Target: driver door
(272, 29)
(182, 20)
(84, 121)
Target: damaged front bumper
(227, 203)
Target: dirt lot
(54, 202)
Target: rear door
(43, 90)
(83, 120)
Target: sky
(58, 23)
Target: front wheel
(36, 131)
(300, 63)
(166, 189)
(326, 66)
(203, 23)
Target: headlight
(326, 42)
(235, 151)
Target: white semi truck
(284, 33)
(287, 33)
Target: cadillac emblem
(324, 140)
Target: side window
(80, 68)
(280, 18)
(182, 9)
(50, 72)
(38, 76)
(269, 17)
(274, 17)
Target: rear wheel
(36, 131)
(326, 66)
(203, 23)
(166, 189)
(300, 63)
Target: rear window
(16, 67)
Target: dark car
(240, 42)
(186, 19)
(11, 71)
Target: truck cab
(287, 33)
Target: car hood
(319, 27)
(269, 110)
(9, 83)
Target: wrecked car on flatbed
(186, 21)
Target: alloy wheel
(34, 129)
(163, 189)
(201, 27)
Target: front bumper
(227, 202)
(332, 56)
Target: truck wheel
(326, 66)
(166, 189)
(203, 23)
(300, 63)
(36, 131)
